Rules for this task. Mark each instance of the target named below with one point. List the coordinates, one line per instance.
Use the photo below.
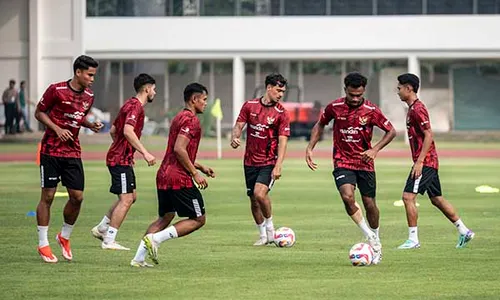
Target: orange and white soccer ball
(284, 237)
(361, 254)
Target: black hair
(410, 79)
(141, 80)
(193, 88)
(22, 82)
(84, 62)
(275, 79)
(355, 80)
(12, 81)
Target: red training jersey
(417, 121)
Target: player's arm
(48, 100)
(238, 127)
(112, 133)
(282, 143)
(94, 126)
(4, 97)
(129, 133)
(180, 150)
(383, 123)
(422, 119)
(205, 170)
(386, 139)
(316, 133)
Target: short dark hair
(193, 88)
(355, 80)
(84, 62)
(12, 81)
(141, 80)
(275, 79)
(410, 79)
(22, 82)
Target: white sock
(376, 231)
(461, 226)
(104, 224)
(165, 234)
(42, 236)
(269, 222)
(140, 255)
(262, 229)
(366, 230)
(413, 234)
(66, 230)
(110, 235)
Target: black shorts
(365, 180)
(122, 180)
(255, 175)
(187, 202)
(68, 170)
(427, 182)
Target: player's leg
(49, 178)
(263, 185)
(367, 184)
(435, 195)
(188, 202)
(99, 231)
(251, 174)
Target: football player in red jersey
(63, 109)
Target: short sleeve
(381, 121)
(188, 127)
(284, 126)
(132, 115)
(243, 116)
(327, 115)
(422, 120)
(48, 99)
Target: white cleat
(140, 264)
(262, 241)
(377, 250)
(113, 246)
(270, 235)
(96, 233)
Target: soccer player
(63, 109)
(353, 155)
(126, 133)
(424, 175)
(178, 179)
(268, 129)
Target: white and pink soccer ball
(361, 254)
(284, 237)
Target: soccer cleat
(463, 239)
(65, 246)
(270, 235)
(46, 254)
(409, 244)
(96, 233)
(262, 241)
(377, 250)
(152, 247)
(140, 264)
(113, 246)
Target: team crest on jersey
(270, 120)
(85, 105)
(363, 121)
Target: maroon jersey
(417, 121)
(67, 108)
(121, 152)
(264, 126)
(353, 131)
(171, 174)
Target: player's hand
(96, 126)
(208, 171)
(313, 166)
(201, 181)
(369, 155)
(235, 143)
(64, 134)
(417, 170)
(150, 159)
(276, 174)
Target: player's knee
(436, 201)
(201, 221)
(259, 196)
(76, 198)
(408, 198)
(48, 197)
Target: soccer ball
(284, 237)
(361, 254)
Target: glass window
(305, 7)
(449, 7)
(399, 7)
(488, 6)
(218, 7)
(352, 7)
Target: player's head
(195, 96)
(275, 87)
(22, 84)
(84, 70)
(145, 84)
(408, 85)
(354, 87)
(12, 83)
